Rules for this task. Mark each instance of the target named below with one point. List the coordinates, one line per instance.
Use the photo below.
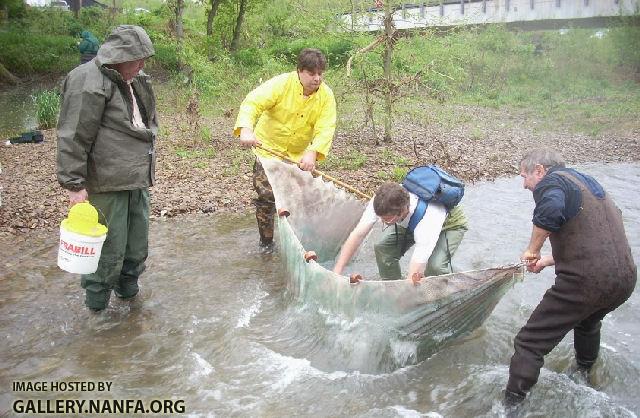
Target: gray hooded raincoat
(99, 148)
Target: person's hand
(415, 278)
(535, 267)
(77, 197)
(529, 257)
(540, 264)
(308, 161)
(355, 278)
(248, 138)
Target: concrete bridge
(534, 14)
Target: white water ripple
(252, 310)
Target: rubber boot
(512, 399)
(126, 288)
(96, 297)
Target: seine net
(321, 216)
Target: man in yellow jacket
(294, 114)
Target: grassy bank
(584, 80)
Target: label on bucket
(79, 253)
(77, 250)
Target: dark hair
(390, 199)
(545, 157)
(311, 59)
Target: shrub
(336, 49)
(249, 57)
(37, 52)
(14, 8)
(166, 56)
(47, 108)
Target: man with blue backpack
(424, 211)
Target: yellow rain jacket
(286, 121)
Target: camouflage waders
(265, 204)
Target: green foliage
(389, 156)
(47, 108)
(249, 57)
(335, 48)
(568, 76)
(97, 20)
(167, 54)
(626, 41)
(15, 8)
(399, 173)
(37, 53)
(277, 20)
(353, 160)
(205, 134)
(48, 22)
(382, 175)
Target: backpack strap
(418, 214)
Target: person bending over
(436, 236)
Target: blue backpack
(431, 183)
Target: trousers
(122, 260)
(265, 203)
(567, 305)
(395, 243)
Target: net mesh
(321, 216)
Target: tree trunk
(353, 16)
(77, 5)
(387, 56)
(179, 10)
(6, 75)
(212, 15)
(235, 42)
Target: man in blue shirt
(595, 271)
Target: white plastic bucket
(79, 253)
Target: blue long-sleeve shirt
(558, 199)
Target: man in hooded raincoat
(106, 154)
(88, 46)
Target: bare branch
(367, 48)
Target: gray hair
(545, 157)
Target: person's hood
(126, 43)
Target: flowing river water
(18, 109)
(215, 327)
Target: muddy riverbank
(213, 174)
